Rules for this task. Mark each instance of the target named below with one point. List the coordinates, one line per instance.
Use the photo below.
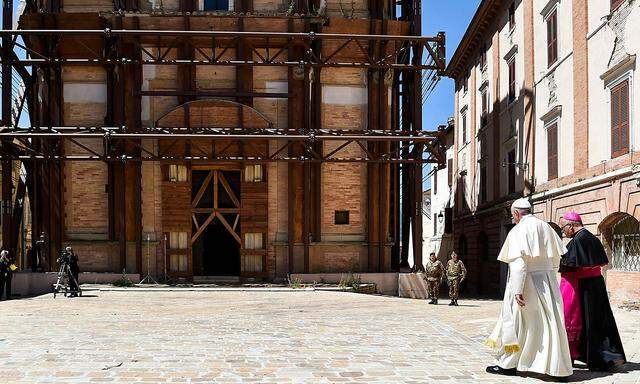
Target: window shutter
(552, 152)
(450, 172)
(620, 119)
(615, 4)
(512, 80)
(552, 38)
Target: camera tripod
(65, 270)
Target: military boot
(453, 302)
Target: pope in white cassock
(530, 333)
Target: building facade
(545, 108)
(171, 79)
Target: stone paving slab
(258, 337)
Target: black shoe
(456, 303)
(452, 302)
(435, 301)
(560, 379)
(496, 370)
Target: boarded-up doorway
(215, 214)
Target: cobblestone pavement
(266, 337)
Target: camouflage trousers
(454, 288)
(433, 287)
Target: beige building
(545, 107)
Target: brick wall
(623, 286)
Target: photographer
(69, 257)
(6, 273)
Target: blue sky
(452, 17)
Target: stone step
(215, 279)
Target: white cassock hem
(532, 338)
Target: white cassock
(532, 338)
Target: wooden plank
(195, 221)
(228, 227)
(203, 227)
(215, 189)
(227, 188)
(202, 189)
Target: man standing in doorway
(530, 334)
(591, 327)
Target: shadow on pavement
(582, 374)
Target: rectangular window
(253, 241)
(450, 172)
(448, 220)
(484, 117)
(552, 38)
(552, 151)
(341, 217)
(463, 133)
(483, 182)
(483, 57)
(178, 240)
(511, 166)
(216, 5)
(512, 16)
(254, 173)
(512, 80)
(435, 224)
(178, 263)
(435, 182)
(465, 83)
(615, 4)
(177, 172)
(620, 119)
(463, 191)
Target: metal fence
(626, 252)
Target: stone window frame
(554, 116)
(611, 80)
(552, 12)
(464, 126)
(554, 123)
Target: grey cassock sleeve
(518, 272)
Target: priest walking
(591, 328)
(530, 334)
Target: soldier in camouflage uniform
(456, 272)
(434, 272)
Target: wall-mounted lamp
(523, 166)
(440, 217)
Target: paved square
(265, 337)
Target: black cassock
(599, 344)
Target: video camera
(65, 257)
